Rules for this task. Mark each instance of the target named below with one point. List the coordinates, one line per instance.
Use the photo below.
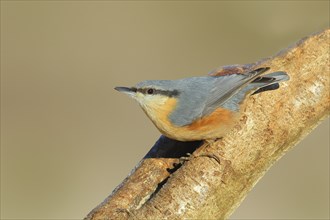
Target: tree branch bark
(272, 123)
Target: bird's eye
(150, 91)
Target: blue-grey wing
(193, 95)
(200, 96)
(225, 87)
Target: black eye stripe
(151, 91)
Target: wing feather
(226, 86)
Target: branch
(205, 187)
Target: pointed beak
(126, 90)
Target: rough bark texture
(207, 188)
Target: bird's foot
(209, 155)
(197, 153)
(183, 159)
(208, 142)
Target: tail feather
(259, 84)
(267, 88)
(269, 81)
(272, 77)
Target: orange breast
(220, 117)
(211, 126)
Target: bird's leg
(208, 142)
(183, 159)
(197, 153)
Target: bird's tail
(269, 81)
(257, 83)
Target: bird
(200, 108)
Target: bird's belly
(212, 126)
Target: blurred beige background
(68, 139)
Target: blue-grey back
(200, 96)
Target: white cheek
(155, 99)
(140, 99)
(147, 101)
(139, 96)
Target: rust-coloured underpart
(218, 175)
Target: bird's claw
(209, 155)
(183, 159)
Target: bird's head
(152, 95)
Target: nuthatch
(200, 108)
